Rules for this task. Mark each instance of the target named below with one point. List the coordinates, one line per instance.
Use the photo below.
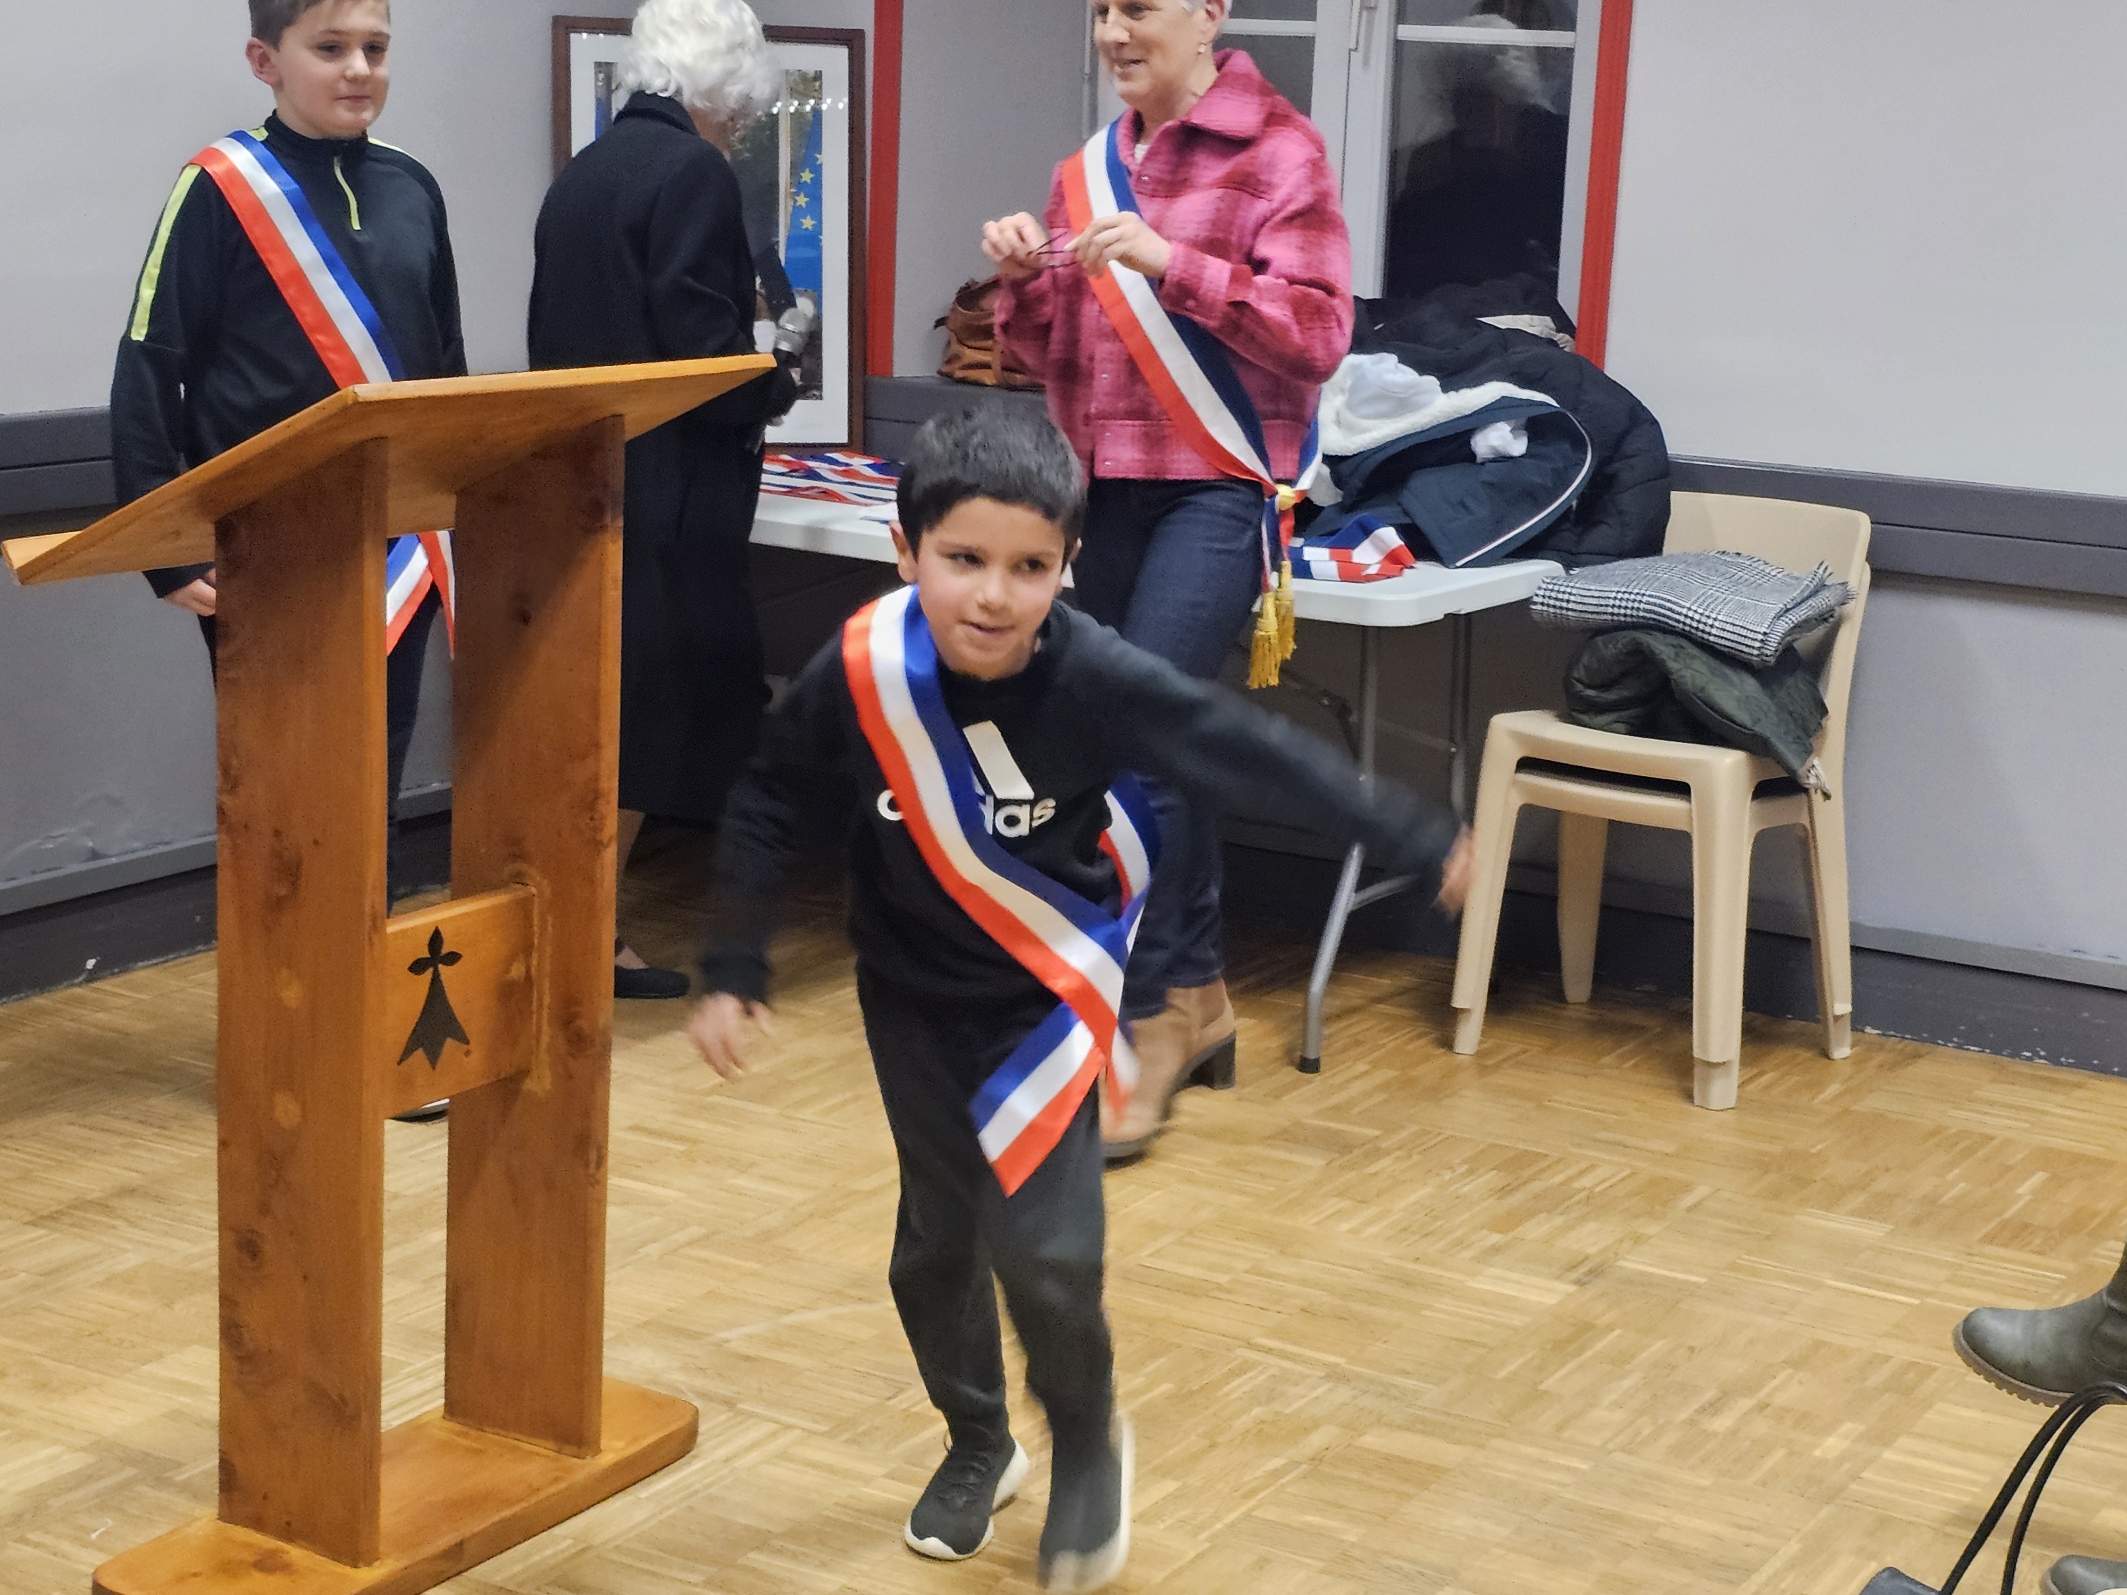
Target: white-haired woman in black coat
(641, 254)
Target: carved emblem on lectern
(438, 1025)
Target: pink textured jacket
(1242, 189)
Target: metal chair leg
(1340, 908)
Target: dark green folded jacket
(1650, 683)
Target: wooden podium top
(445, 435)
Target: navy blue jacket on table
(1088, 707)
(641, 254)
(1622, 511)
(213, 356)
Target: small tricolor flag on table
(1363, 549)
(833, 478)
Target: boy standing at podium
(980, 733)
(292, 260)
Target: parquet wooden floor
(1521, 1322)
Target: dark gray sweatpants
(957, 1229)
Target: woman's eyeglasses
(1057, 252)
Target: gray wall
(1868, 234)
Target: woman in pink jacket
(1238, 230)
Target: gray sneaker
(2084, 1575)
(2047, 1355)
(951, 1519)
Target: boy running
(981, 734)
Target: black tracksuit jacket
(212, 355)
(1089, 707)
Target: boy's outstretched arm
(764, 820)
(755, 841)
(1219, 748)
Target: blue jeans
(1175, 567)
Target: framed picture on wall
(800, 167)
(587, 56)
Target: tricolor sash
(1363, 549)
(342, 325)
(835, 477)
(1192, 376)
(1074, 947)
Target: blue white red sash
(1189, 371)
(835, 477)
(1363, 549)
(342, 325)
(1075, 948)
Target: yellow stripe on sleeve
(151, 273)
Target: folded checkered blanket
(1741, 605)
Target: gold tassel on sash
(1263, 647)
(1276, 632)
(1288, 639)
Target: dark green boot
(2084, 1575)
(2049, 1354)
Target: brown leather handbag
(973, 351)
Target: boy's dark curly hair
(1006, 453)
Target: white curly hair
(710, 55)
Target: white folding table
(1418, 597)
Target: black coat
(641, 254)
(1623, 512)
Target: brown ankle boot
(1189, 1042)
(1211, 1050)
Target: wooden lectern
(334, 1017)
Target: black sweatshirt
(213, 355)
(1089, 707)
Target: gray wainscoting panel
(55, 460)
(1957, 531)
(46, 437)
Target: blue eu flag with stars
(801, 249)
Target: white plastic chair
(1726, 798)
